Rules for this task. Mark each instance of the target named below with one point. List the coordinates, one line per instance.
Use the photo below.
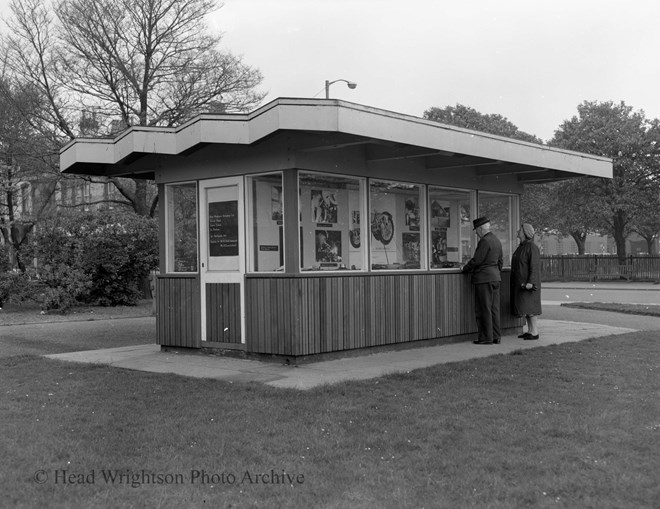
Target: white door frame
(221, 269)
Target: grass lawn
(632, 309)
(19, 314)
(574, 425)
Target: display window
(500, 209)
(331, 214)
(450, 223)
(265, 222)
(395, 226)
(181, 227)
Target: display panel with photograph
(276, 202)
(354, 233)
(412, 213)
(324, 206)
(440, 214)
(411, 249)
(450, 223)
(394, 225)
(328, 246)
(331, 207)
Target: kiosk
(312, 226)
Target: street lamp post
(350, 85)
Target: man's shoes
(478, 342)
(497, 341)
(527, 336)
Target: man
(485, 267)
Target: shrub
(62, 287)
(17, 287)
(98, 258)
(5, 263)
(10, 282)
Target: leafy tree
(616, 131)
(645, 212)
(138, 62)
(540, 203)
(561, 208)
(469, 118)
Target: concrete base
(307, 376)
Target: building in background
(553, 245)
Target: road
(628, 293)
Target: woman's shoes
(528, 336)
(522, 336)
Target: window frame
(249, 223)
(363, 185)
(514, 220)
(168, 239)
(423, 227)
(472, 199)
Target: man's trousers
(487, 310)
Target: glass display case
(450, 223)
(331, 231)
(265, 223)
(395, 226)
(181, 227)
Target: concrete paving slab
(307, 376)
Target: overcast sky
(532, 61)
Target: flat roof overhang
(334, 124)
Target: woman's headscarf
(528, 230)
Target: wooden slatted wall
(223, 312)
(178, 311)
(310, 315)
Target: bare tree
(26, 182)
(143, 62)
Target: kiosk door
(222, 263)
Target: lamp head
(351, 85)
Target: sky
(531, 61)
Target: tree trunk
(17, 237)
(619, 236)
(140, 204)
(650, 245)
(580, 239)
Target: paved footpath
(308, 376)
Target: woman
(526, 281)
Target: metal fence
(599, 268)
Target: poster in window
(382, 227)
(411, 250)
(354, 233)
(223, 228)
(328, 246)
(439, 247)
(276, 202)
(324, 206)
(466, 250)
(440, 215)
(412, 214)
